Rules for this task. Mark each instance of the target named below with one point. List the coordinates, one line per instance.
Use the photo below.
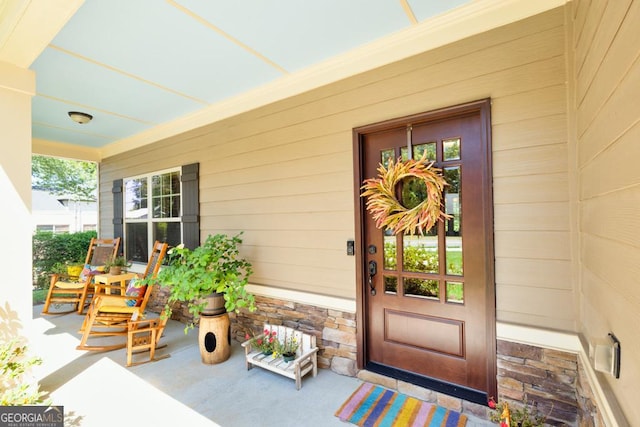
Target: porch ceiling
(148, 69)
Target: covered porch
(562, 78)
(97, 389)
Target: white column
(17, 86)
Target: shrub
(50, 249)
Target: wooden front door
(427, 301)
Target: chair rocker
(109, 315)
(79, 292)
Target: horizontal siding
(549, 216)
(608, 130)
(283, 173)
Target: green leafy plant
(118, 261)
(14, 363)
(287, 347)
(214, 267)
(49, 249)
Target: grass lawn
(39, 295)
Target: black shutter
(118, 210)
(190, 205)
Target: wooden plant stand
(306, 357)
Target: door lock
(373, 270)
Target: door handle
(373, 270)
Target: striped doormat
(371, 405)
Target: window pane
(136, 242)
(390, 251)
(429, 148)
(419, 150)
(390, 284)
(167, 232)
(414, 192)
(455, 292)
(451, 149)
(453, 226)
(420, 252)
(385, 156)
(166, 195)
(422, 288)
(136, 198)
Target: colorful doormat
(371, 405)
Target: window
(54, 228)
(160, 206)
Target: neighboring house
(61, 214)
(545, 111)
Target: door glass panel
(414, 192)
(420, 252)
(455, 292)
(419, 150)
(451, 149)
(390, 251)
(390, 284)
(386, 155)
(421, 288)
(453, 229)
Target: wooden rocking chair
(109, 315)
(77, 292)
(144, 335)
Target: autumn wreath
(388, 211)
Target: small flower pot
(115, 270)
(288, 357)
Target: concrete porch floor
(97, 389)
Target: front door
(427, 300)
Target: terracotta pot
(115, 270)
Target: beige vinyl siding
(607, 45)
(284, 173)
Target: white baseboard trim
(568, 342)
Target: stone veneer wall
(552, 381)
(335, 330)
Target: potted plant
(210, 278)
(287, 348)
(117, 266)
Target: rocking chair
(77, 292)
(109, 315)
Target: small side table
(107, 281)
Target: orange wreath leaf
(386, 209)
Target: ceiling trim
(473, 18)
(229, 37)
(63, 150)
(126, 74)
(26, 27)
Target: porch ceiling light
(79, 117)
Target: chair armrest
(306, 355)
(143, 324)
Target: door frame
(483, 108)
